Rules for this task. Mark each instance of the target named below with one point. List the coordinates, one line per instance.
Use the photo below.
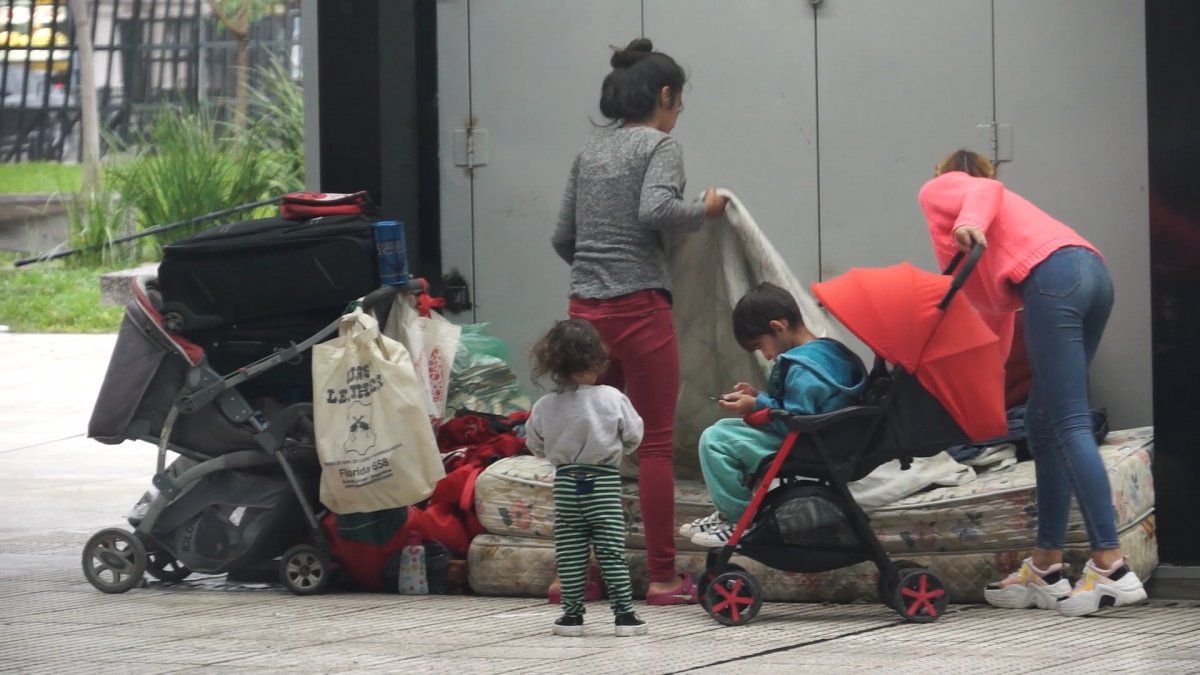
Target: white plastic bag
(432, 343)
(376, 447)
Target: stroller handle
(961, 277)
(380, 297)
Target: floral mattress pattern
(996, 512)
(522, 566)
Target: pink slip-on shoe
(684, 595)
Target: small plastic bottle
(413, 580)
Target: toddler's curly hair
(572, 346)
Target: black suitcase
(235, 346)
(267, 268)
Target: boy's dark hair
(753, 314)
(570, 347)
(630, 92)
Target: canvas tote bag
(374, 440)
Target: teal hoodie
(817, 377)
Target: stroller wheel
(887, 582)
(920, 596)
(305, 570)
(164, 567)
(733, 598)
(114, 560)
(707, 578)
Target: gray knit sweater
(625, 189)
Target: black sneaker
(569, 625)
(628, 624)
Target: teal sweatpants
(730, 451)
(587, 512)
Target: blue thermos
(392, 254)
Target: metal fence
(149, 54)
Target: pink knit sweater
(1019, 236)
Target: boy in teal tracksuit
(811, 376)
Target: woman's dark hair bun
(632, 90)
(631, 54)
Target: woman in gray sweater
(624, 191)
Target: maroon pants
(644, 363)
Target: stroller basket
(803, 528)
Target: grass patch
(50, 298)
(40, 178)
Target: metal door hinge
(998, 139)
(471, 147)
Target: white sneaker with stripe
(715, 537)
(709, 522)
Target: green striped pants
(587, 510)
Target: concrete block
(32, 223)
(115, 287)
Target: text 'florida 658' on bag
(374, 439)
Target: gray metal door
(900, 84)
(749, 121)
(535, 68)
(1071, 83)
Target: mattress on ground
(998, 510)
(515, 497)
(522, 566)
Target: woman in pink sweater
(1034, 261)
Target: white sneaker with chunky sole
(1097, 590)
(1029, 587)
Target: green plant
(95, 219)
(278, 128)
(187, 164)
(238, 17)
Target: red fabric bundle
(364, 560)
(471, 442)
(306, 205)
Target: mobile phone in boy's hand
(716, 397)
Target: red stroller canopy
(951, 352)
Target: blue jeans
(1068, 298)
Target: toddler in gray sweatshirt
(584, 429)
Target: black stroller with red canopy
(937, 382)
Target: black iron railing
(149, 54)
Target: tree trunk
(241, 93)
(89, 113)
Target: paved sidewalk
(57, 487)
